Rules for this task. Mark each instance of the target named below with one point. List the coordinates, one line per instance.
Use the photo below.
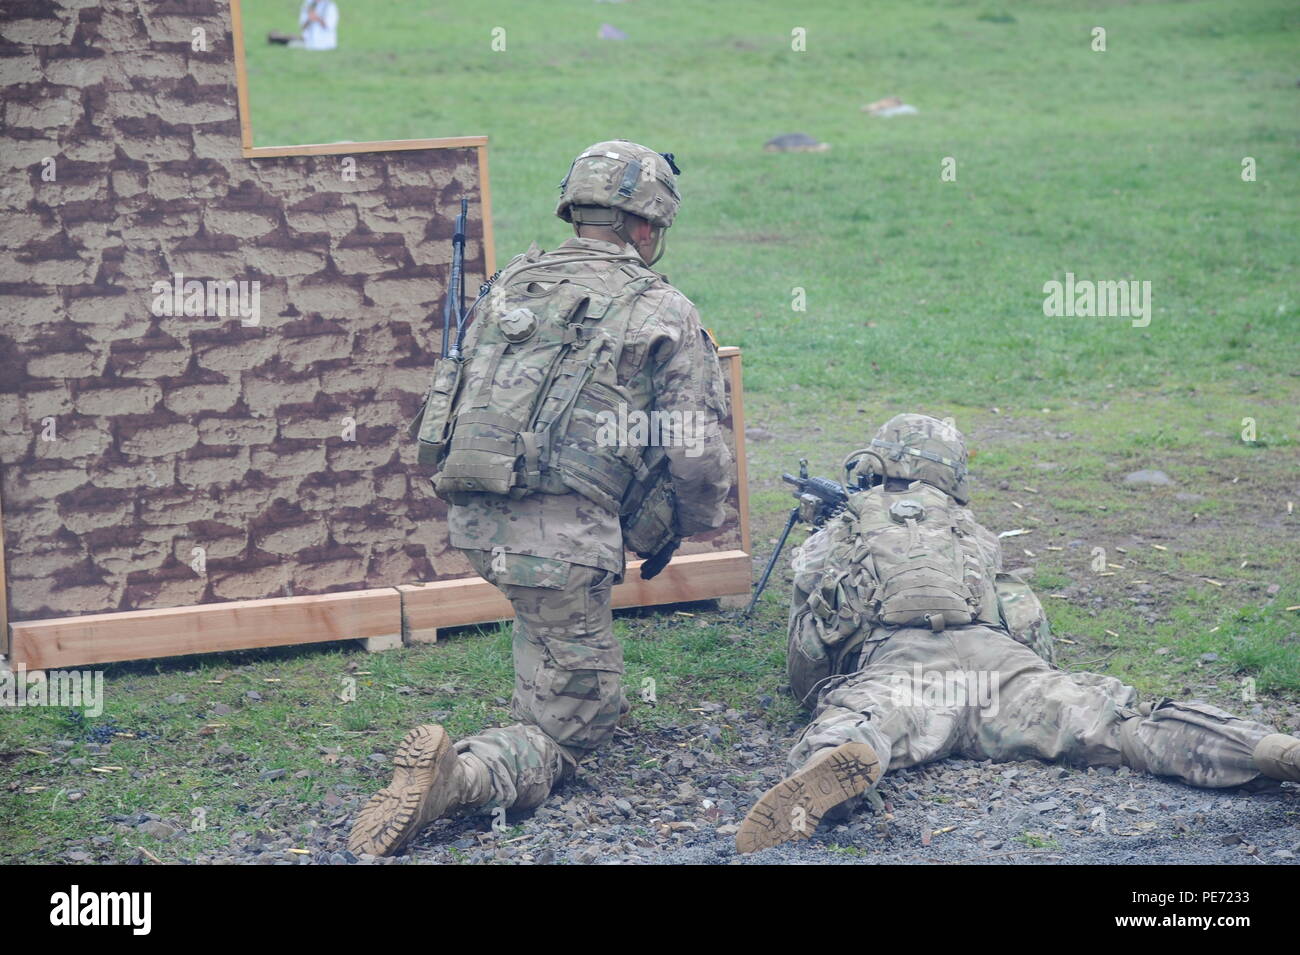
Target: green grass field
(1122, 164)
(921, 294)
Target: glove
(657, 562)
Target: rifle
(454, 306)
(819, 499)
(432, 425)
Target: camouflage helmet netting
(621, 175)
(916, 447)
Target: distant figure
(319, 22)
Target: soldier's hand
(651, 567)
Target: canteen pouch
(432, 425)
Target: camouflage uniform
(1084, 719)
(1026, 708)
(557, 556)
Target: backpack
(522, 413)
(925, 567)
(912, 558)
(879, 564)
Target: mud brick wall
(128, 438)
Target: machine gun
(819, 499)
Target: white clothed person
(321, 31)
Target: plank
(451, 603)
(206, 628)
(731, 354)
(241, 76)
(415, 611)
(485, 204)
(4, 592)
(472, 600)
(379, 146)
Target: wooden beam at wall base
(375, 617)
(471, 600)
(206, 628)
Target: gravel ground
(675, 797)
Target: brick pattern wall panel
(133, 441)
(151, 457)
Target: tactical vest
(914, 558)
(528, 410)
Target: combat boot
(430, 781)
(1278, 757)
(793, 807)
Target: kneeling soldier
(543, 498)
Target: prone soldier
(913, 645)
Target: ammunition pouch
(432, 424)
(649, 505)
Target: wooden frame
(381, 618)
(4, 593)
(206, 628)
(730, 355)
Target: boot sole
(792, 809)
(393, 816)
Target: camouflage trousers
(976, 693)
(568, 693)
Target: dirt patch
(675, 797)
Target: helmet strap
(617, 222)
(661, 244)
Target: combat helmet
(913, 447)
(617, 177)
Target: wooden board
(195, 431)
(377, 146)
(469, 600)
(376, 616)
(4, 593)
(206, 628)
(371, 614)
(730, 356)
(241, 76)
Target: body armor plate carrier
(522, 413)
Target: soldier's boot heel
(792, 808)
(428, 782)
(1278, 757)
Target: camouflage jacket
(826, 636)
(668, 364)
